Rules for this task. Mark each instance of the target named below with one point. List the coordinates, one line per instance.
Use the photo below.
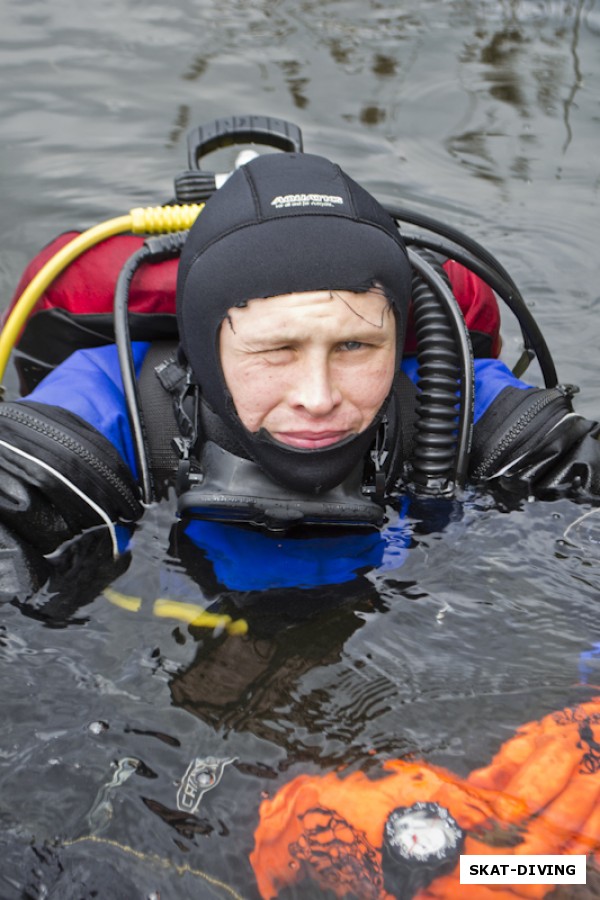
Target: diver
(287, 400)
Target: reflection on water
(487, 625)
(525, 67)
(483, 113)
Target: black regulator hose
(127, 368)
(445, 380)
(483, 263)
(534, 342)
(413, 217)
(152, 250)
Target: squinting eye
(276, 354)
(352, 345)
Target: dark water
(483, 113)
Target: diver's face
(310, 368)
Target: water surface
(484, 114)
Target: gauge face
(205, 779)
(424, 833)
(201, 776)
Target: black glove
(23, 569)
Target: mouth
(311, 440)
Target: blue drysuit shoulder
(491, 377)
(89, 384)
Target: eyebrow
(363, 332)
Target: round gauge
(420, 843)
(422, 832)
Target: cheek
(255, 391)
(368, 387)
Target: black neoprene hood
(283, 223)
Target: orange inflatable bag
(400, 835)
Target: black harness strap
(406, 403)
(159, 415)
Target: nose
(314, 389)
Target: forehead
(334, 308)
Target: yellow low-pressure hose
(191, 613)
(142, 220)
(196, 616)
(164, 219)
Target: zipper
(99, 467)
(509, 437)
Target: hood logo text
(288, 200)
